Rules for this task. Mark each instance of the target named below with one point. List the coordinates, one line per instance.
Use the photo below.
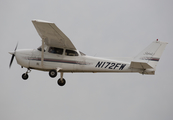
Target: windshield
(82, 53)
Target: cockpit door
(35, 60)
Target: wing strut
(42, 52)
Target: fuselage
(70, 61)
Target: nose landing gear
(25, 75)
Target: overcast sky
(109, 28)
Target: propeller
(13, 54)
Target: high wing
(52, 35)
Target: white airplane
(58, 54)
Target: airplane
(58, 54)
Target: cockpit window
(71, 53)
(82, 53)
(40, 49)
(56, 50)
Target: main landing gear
(61, 81)
(52, 73)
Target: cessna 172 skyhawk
(58, 54)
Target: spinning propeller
(13, 54)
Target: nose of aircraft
(11, 52)
(22, 56)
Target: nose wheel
(25, 75)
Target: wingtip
(41, 21)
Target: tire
(25, 76)
(52, 73)
(61, 82)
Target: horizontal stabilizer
(140, 65)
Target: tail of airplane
(147, 59)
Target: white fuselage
(64, 63)
(58, 54)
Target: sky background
(102, 28)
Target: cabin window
(56, 50)
(71, 53)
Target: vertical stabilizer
(151, 54)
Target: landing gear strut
(61, 81)
(25, 75)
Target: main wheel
(61, 82)
(52, 73)
(25, 76)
